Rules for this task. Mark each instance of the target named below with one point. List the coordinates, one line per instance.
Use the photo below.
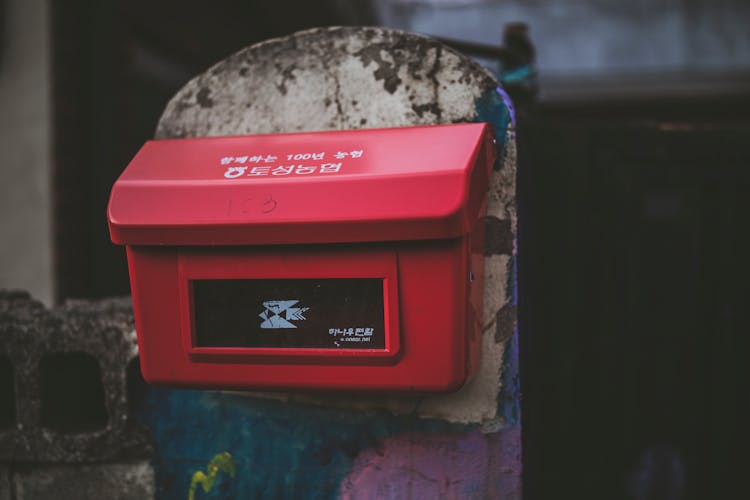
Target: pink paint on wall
(463, 465)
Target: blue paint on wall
(491, 108)
(281, 450)
(509, 404)
(509, 400)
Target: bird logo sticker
(280, 314)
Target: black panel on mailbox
(337, 313)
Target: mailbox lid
(406, 183)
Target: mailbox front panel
(288, 304)
(427, 346)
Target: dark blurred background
(634, 179)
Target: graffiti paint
(222, 462)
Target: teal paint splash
(492, 108)
(280, 450)
(523, 75)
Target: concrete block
(131, 481)
(69, 384)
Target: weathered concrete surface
(129, 481)
(349, 78)
(103, 330)
(328, 79)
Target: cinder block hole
(72, 393)
(7, 394)
(137, 387)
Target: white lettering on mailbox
(361, 334)
(268, 165)
(234, 172)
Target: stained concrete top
(329, 79)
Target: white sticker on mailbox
(280, 314)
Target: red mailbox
(330, 260)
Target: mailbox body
(358, 268)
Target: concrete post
(349, 78)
